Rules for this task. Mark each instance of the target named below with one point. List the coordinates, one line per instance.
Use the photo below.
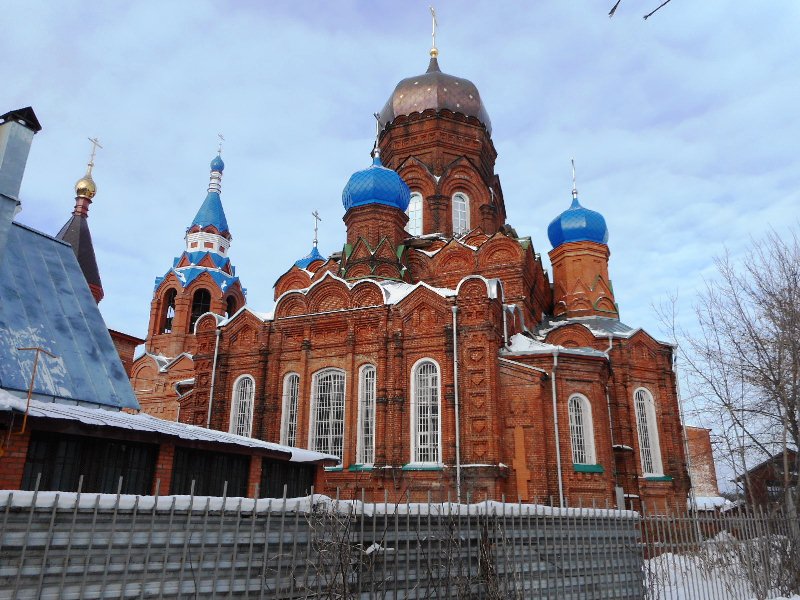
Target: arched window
(291, 393)
(201, 304)
(244, 391)
(414, 213)
(365, 448)
(460, 213)
(649, 448)
(425, 413)
(581, 430)
(169, 310)
(230, 306)
(327, 412)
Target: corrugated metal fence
(67, 545)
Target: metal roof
(45, 301)
(146, 423)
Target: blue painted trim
(658, 478)
(588, 468)
(357, 468)
(332, 469)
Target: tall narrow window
(425, 413)
(365, 452)
(460, 213)
(201, 304)
(414, 213)
(230, 306)
(649, 449)
(291, 393)
(327, 412)
(242, 406)
(169, 311)
(581, 430)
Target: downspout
(213, 379)
(608, 398)
(505, 325)
(455, 389)
(555, 426)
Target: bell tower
(202, 279)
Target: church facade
(433, 355)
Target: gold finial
(574, 186)
(85, 187)
(434, 50)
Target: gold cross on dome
(95, 146)
(434, 24)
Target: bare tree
(648, 15)
(741, 365)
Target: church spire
(76, 230)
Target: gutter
(213, 379)
(455, 389)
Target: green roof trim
(588, 468)
(413, 467)
(658, 478)
(357, 468)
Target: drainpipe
(608, 398)
(505, 324)
(555, 427)
(213, 378)
(455, 389)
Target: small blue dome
(314, 255)
(577, 224)
(217, 164)
(376, 185)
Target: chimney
(16, 133)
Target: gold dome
(86, 187)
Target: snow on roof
(520, 343)
(600, 327)
(709, 502)
(143, 422)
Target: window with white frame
(244, 391)
(649, 449)
(460, 213)
(581, 430)
(414, 212)
(327, 412)
(291, 393)
(365, 447)
(425, 413)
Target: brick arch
(419, 264)
(605, 303)
(294, 279)
(473, 287)
(359, 270)
(499, 249)
(423, 309)
(206, 323)
(417, 177)
(292, 304)
(571, 336)
(383, 270)
(328, 266)
(454, 258)
(329, 294)
(366, 294)
(462, 176)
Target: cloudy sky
(684, 127)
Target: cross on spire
(375, 150)
(574, 186)
(317, 220)
(95, 146)
(221, 139)
(434, 24)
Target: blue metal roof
(195, 257)
(45, 301)
(211, 213)
(577, 224)
(311, 257)
(186, 275)
(376, 185)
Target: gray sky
(683, 127)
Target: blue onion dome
(376, 185)
(577, 224)
(217, 164)
(313, 256)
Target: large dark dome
(438, 91)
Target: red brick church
(433, 353)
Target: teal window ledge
(357, 468)
(658, 478)
(413, 467)
(588, 468)
(332, 469)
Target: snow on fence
(72, 545)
